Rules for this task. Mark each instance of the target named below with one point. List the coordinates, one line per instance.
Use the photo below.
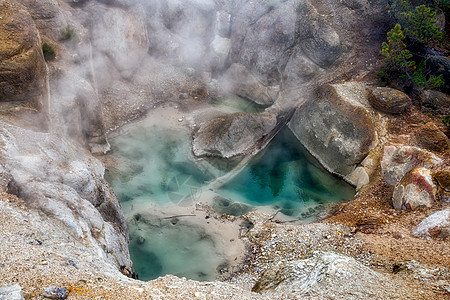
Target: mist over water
(181, 250)
(286, 177)
(155, 169)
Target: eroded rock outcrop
(65, 182)
(238, 80)
(323, 275)
(182, 31)
(126, 42)
(22, 65)
(48, 16)
(232, 135)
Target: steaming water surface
(286, 177)
(155, 166)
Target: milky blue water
(155, 165)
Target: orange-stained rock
(22, 65)
(389, 100)
(431, 138)
(416, 189)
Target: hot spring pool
(286, 177)
(154, 168)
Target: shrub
(426, 81)
(67, 34)
(403, 52)
(48, 51)
(446, 120)
(421, 26)
(394, 52)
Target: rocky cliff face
(22, 65)
(62, 180)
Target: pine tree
(421, 26)
(395, 55)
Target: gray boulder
(11, 292)
(232, 135)
(416, 189)
(324, 275)
(398, 160)
(436, 101)
(436, 226)
(336, 127)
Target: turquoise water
(177, 249)
(286, 177)
(155, 165)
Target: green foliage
(395, 54)
(446, 120)
(421, 25)
(418, 22)
(48, 51)
(415, 24)
(425, 81)
(67, 34)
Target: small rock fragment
(436, 226)
(431, 138)
(54, 292)
(443, 179)
(398, 160)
